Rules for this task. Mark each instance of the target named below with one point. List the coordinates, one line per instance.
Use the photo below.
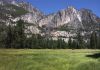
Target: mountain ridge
(64, 23)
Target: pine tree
(98, 42)
(3, 34)
(93, 40)
(74, 44)
(10, 36)
(80, 41)
(8, 40)
(70, 43)
(20, 35)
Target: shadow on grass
(95, 56)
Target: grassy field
(49, 59)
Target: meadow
(46, 59)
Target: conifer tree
(20, 35)
(70, 43)
(80, 41)
(93, 40)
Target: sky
(51, 6)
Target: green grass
(24, 59)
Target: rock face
(63, 24)
(68, 22)
(14, 10)
(67, 16)
(89, 19)
(34, 14)
(15, 5)
(71, 17)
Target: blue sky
(50, 6)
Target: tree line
(15, 37)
